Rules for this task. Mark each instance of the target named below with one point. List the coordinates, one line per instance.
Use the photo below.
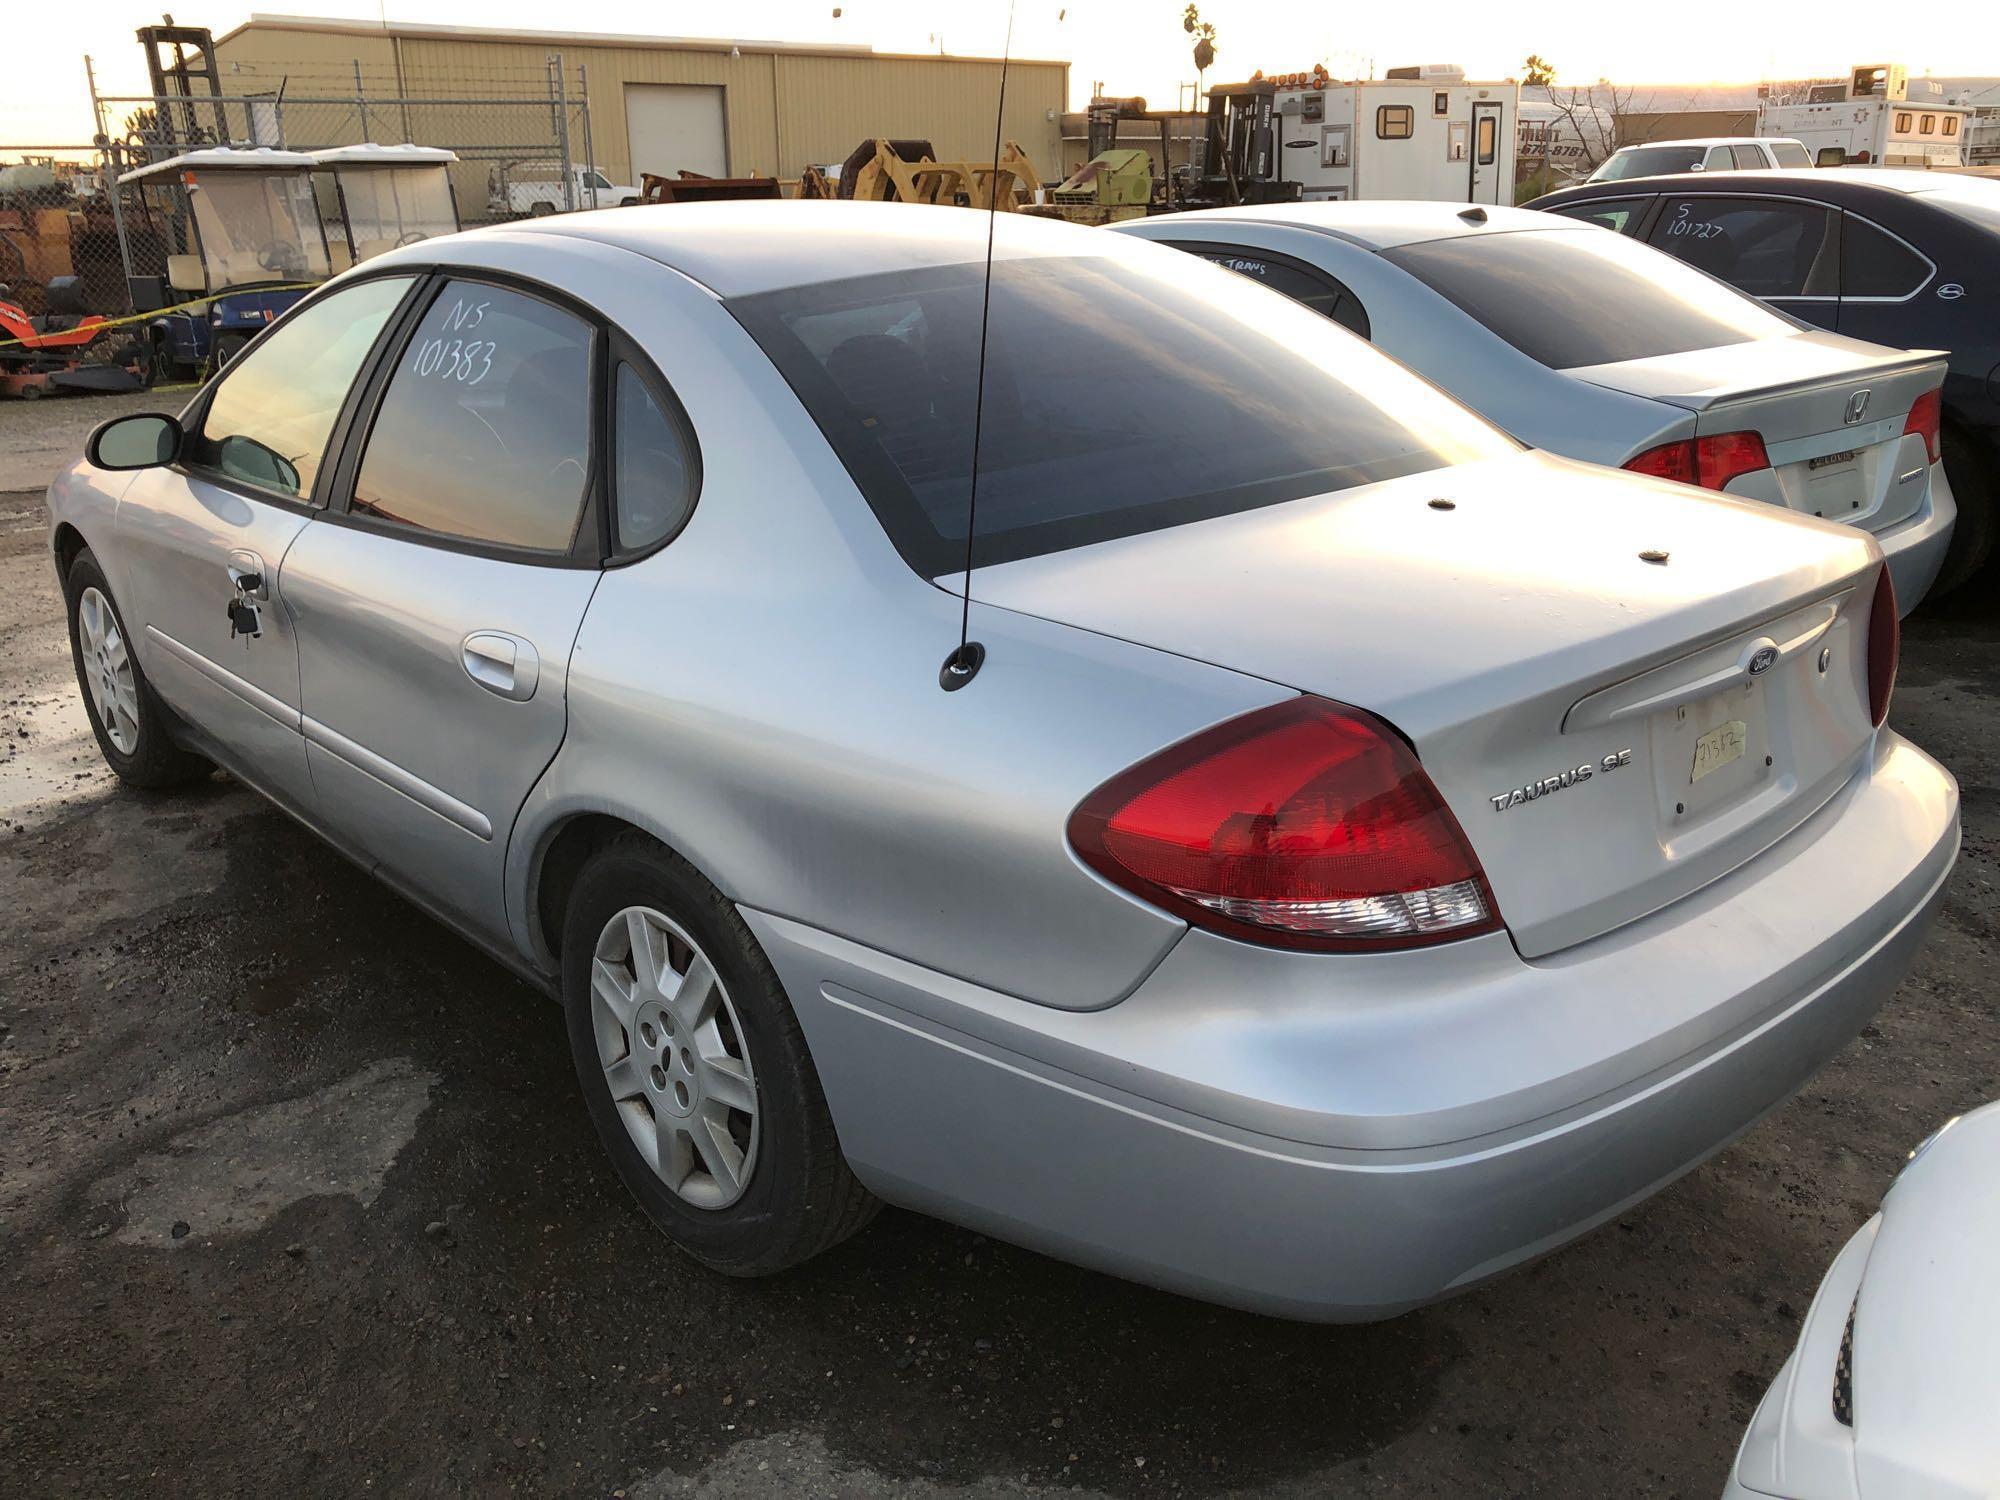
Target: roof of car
(737, 249)
(1700, 140)
(1380, 223)
(1889, 179)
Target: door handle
(503, 664)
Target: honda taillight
(1885, 644)
(1710, 462)
(1305, 824)
(1926, 415)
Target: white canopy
(372, 155)
(228, 158)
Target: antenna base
(961, 666)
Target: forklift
(1240, 162)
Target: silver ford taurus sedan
(1597, 347)
(1369, 855)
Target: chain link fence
(75, 242)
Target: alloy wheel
(674, 1057)
(107, 670)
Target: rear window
(1647, 161)
(1566, 298)
(1120, 397)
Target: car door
(214, 530)
(1317, 289)
(1784, 251)
(437, 602)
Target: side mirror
(144, 441)
(1698, 167)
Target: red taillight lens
(1305, 824)
(1710, 462)
(1885, 644)
(1926, 415)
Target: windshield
(257, 226)
(391, 206)
(1586, 297)
(1120, 397)
(1647, 161)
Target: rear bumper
(1340, 1138)
(1915, 547)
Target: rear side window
(1876, 264)
(271, 415)
(1121, 396)
(484, 430)
(1748, 158)
(653, 472)
(1608, 213)
(1790, 154)
(1566, 298)
(1768, 247)
(1309, 288)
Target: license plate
(1718, 748)
(1830, 460)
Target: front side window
(483, 433)
(1647, 161)
(1608, 213)
(1790, 154)
(1768, 247)
(1313, 289)
(1874, 263)
(599, 180)
(1121, 396)
(1567, 299)
(274, 408)
(654, 473)
(1395, 122)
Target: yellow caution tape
(161, 312)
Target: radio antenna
(960, 667)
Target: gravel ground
(296, 1196)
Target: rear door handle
(503, 664)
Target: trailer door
(1486, 171)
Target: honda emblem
(1857, 406)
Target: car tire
(1970, 469)
(796, 1195)
(227, 347)
(127, 717)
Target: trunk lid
(1561, 692)
(1829, 409)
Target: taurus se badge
(1562, 781)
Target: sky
(1135, 47)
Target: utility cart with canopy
(376, 198)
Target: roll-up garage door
(676, 127)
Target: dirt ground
(297, 1196)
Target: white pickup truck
(520, 189)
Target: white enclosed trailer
(1422, 133)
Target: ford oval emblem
(1761, 659)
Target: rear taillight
(1710, 462)
(1305, 824)
(1926, 415)
(1885, 644)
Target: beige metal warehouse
(661, 104)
